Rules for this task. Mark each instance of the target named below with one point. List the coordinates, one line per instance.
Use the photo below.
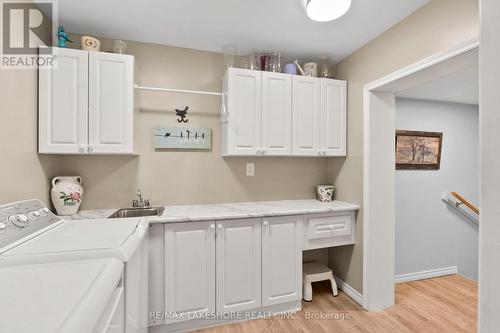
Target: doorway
(379, 172)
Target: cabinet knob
(81, 149)
(212, 226)
(91, 149)
(265, 223)
(220, 227)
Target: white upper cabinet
(333, 117)
(111, 103)
(241, 129)
(86, 104)
(63, 116)
(276, 114)
(306, 116)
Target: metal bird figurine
(62, 37)
(182, 114)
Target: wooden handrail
(465, 202)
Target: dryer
(31, 234)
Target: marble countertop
(190, 213)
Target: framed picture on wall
(418, 150)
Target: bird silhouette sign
(182, 138)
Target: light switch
(250, 169)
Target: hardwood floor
(443, 304)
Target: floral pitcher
(67, 194)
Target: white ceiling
(260, 25)
(461, 86)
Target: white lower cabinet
(189, 269)
(238, 265)
(229, 266)
(281, 260)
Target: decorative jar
(66, 194)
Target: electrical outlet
(250, 169)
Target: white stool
(314, 272)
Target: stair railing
(462, 205)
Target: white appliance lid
(56, 297)
(86, 235)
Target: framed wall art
(417, 150)
(182, 138)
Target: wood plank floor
(443, 304)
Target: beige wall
(23, 173)
(185, 177)
(437, 26)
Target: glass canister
(324, 68)
(120, 47)
(275, 64)
(230, 52)
(250, 61)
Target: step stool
(314, 272)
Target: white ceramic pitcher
(67, 193)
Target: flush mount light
(326, 10)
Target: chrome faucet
(141, 203)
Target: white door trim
(372, 301)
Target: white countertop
(227, 211)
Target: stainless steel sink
(137, 212)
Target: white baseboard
(425, 274)
(350, 291)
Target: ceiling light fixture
(326, 10)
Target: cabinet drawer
(329, 229)
(329, 226)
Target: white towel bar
(181, 91)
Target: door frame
(379, 179)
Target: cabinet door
(111, 103)
(306, 116)
(281, 260)
(62, 97)
(238, 265)
(276, 113)
(241, 131)
(189, 268)
(333, 117)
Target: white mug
(311, 69)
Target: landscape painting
(418, 150)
